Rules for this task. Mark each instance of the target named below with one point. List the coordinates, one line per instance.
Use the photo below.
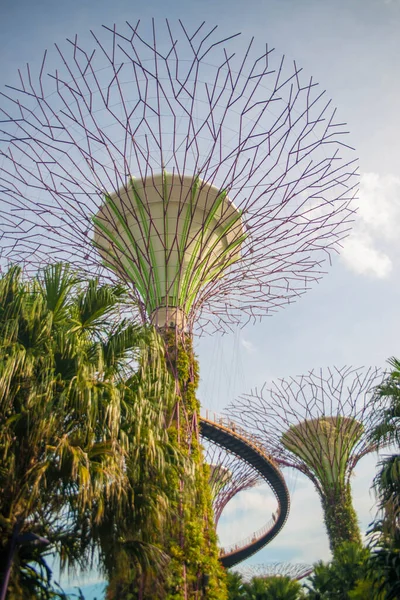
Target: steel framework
(229, 475)
(317, 421)
(243, 151)
(296, 571)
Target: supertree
(228, 475)
(211, 178)
(319, 424)
(296, 571)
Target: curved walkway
(228, 435)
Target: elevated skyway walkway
(227, 434)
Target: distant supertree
(296, 571)
(229, 475)
(320, 424)
(214, 180)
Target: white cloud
(248, 346)
(246, 513)
(362, 257)
(380, 204)
(375, 239)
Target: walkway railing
(227, 423)
(249, 540)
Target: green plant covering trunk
(195, 571)
(325, 444)
(188, 566)
(340, 516)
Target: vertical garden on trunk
(193, 543)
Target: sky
(351, 317)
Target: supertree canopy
(212, 178)
(228, 476)
(189, 233)
(295, 571)
(320, 424)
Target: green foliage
(131, 536)
(63, 393)
(339, 516)
(263, 588)
(195, 569)
(384, 562)
(366, 589)
(273, 588)
(187, 564)
(234, 582)
(337, 579)
(387, 482)
(388, 430)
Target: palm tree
(235, 583)
(342, 575)
(387, 482)
(65, 356)
(384, 564)
(131, 537)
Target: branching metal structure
(296, 571)
(320, 424)
(229, 475)
(212, 178)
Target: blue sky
(351, 47)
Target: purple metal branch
(229, 475)
(295, 571)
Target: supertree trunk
(339, 516)
(194, 571)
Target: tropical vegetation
(98, 463)
(82, 439)
(274, 587)
(384, 565)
